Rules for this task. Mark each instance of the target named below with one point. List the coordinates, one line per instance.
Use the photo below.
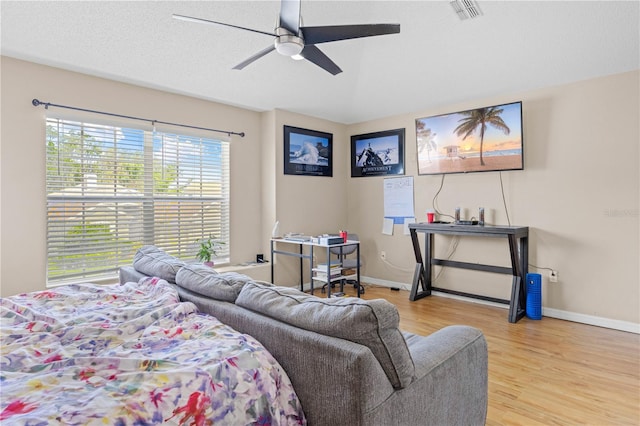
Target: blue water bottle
(534, 296)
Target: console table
(328, 279)
(518, 238)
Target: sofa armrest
(451, 367)
(430, 351)
(129, 274)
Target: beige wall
(23, 226)
(579, 192)
(308, 204)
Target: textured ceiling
(436, 60)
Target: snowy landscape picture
(379, 153)
(307, 152)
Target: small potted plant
(207, 250)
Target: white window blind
(111, 190)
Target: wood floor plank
(544, 372)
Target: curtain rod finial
(35, 102)
(242, 134)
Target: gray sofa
(347, 359)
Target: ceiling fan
(298, 42)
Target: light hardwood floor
(546, 372)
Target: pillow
(373, 323)
(204, 280)
(154, 262)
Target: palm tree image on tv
(481, 117)
(477, 140)
(426, 140)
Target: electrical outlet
(553, 276)
(383, 255)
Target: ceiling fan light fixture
(292, 38)
(289, 45)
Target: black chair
(347, 263)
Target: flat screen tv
(478, 140)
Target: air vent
(466, 9)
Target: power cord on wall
(453, 245)
(399, 268)
(436, 208)
(504, 200)
(434, 202)
(531, 265)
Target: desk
(302, 256)
(518, 238)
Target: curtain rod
(36, 103)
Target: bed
(133, 354)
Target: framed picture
(307, 152)
(378, 154)
(478, 140)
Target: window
(111, 190)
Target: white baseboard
(547, 312)
(385, 283)
(592, 320)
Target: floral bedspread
(133, 354)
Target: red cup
(430, 217)
(343, 234)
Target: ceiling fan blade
(290, 15)
(315, 55)
(206, 21)
(255, 57)
(316, 35)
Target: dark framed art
(307, 152)
(378, 154)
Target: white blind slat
(111, 190)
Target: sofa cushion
(373, 323)
(204, 280)
(152, 261)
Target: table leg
(328, 272)
(428, 268)
(422, 271)
(358, 267)
(518, 298)
(310, 270)
(514, 305)
(524, 267)
(273, 260)
(417, 275)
